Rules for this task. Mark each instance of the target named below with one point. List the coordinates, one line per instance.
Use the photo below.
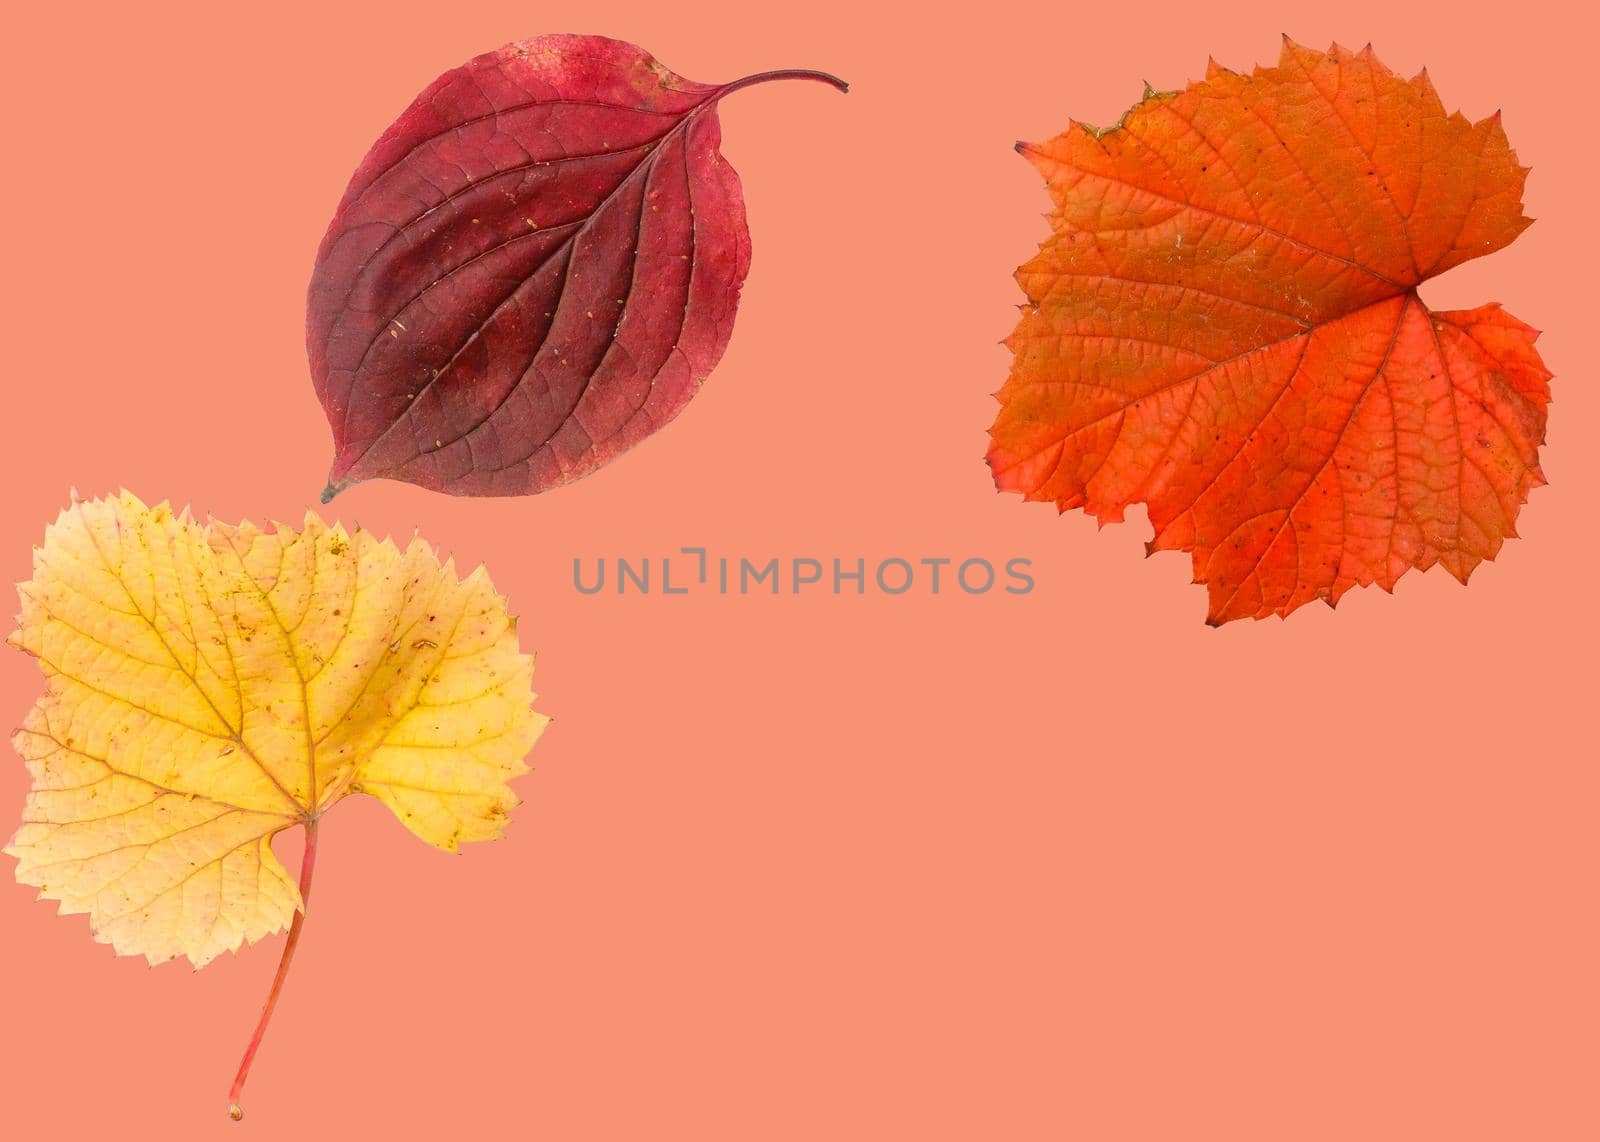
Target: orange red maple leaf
(1224, 324)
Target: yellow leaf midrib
(313, 810)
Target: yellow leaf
(210, 686)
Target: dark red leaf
(532, 270)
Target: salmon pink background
(1063, 866)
